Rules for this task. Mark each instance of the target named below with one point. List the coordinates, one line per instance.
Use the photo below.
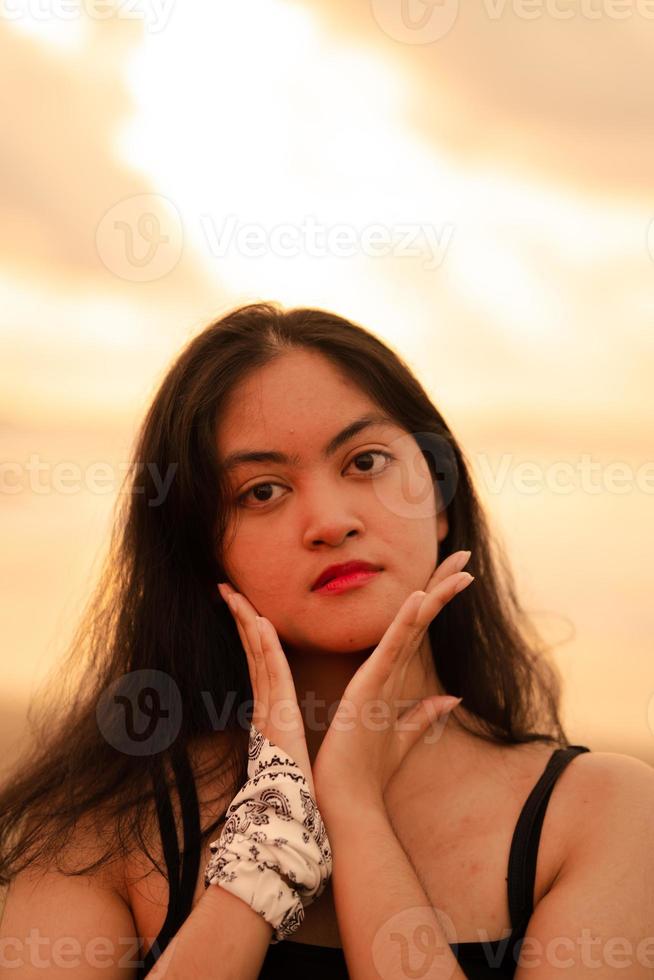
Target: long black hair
(156, 631)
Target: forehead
(299, 396)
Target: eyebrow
(240, 457)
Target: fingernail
(448, 706)
(463, 560)
(466, 579)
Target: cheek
(412, 547)
(256, 563)
(406, 493)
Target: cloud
(57, 171)
(567, 99)
(60, 167)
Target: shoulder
(611, 777)
(91, 846)
(609, 803)
(130, 865)
(56, 894)
(602, 803)
(122, 858)
(214, 787)
(602, 893)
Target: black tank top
(478, 960)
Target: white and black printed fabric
(273, 852)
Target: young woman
(280, 446)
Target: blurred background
(472, 184)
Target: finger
(439, 596)
(387, 652)
(404, 636)
(246, 621)
(261, 706)
(269, 656)
(227, 594)
(279, 672)
(450, 565)
(428, 608)
(282, 687)
(252, 666)
(430, 711)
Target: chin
(362, 645)
(331, 647)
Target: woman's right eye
(240, 500)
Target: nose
(330, 521)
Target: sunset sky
(476, 190)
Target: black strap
(181, 887)
(191, 821)
(171, 854)
(526, 837)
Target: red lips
(347, 568)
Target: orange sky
(159, 169)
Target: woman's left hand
(361, 751)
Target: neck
(321, 680)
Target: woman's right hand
(272, 682)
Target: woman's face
(319, 510)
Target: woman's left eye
(374, 452)
(388, 457)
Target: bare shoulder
(94, 840)
(92, 846)
(93, 879)
(602, 893)
(141, 881)
(602, 802)
(611, 794)
(610, 780)
(87, 908)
